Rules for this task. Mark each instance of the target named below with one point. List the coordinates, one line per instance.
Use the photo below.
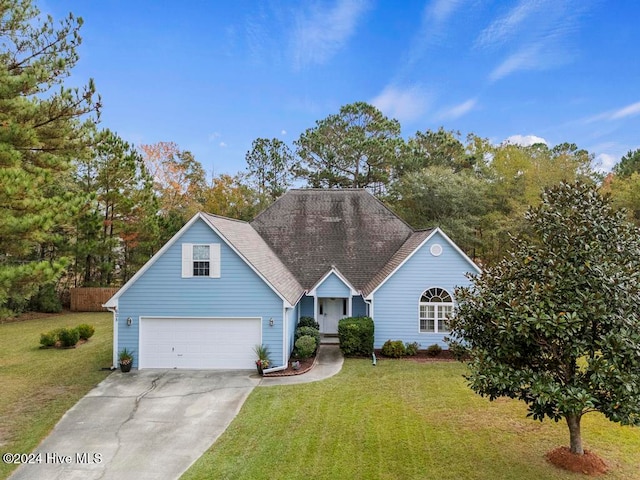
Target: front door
(331, 311)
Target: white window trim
(436, 305)
(187, 260)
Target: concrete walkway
(153, 424)
(329, 362)
(147, 424)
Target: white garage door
(199, 343)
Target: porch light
(129, 321)
(271, 322)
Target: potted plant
(125, 357)
(263, 358)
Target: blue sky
(212, 76)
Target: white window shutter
(214, 259)
(187, 260)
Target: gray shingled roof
(256, 251)
(312, 229)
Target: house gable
(333, 284)
(161, 291)
(282, 283)
(437, 262)
(414, 244)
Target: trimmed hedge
(69, 337)
(411, 349)
(434, 350)
(66, 337)
(305, 346)
(394, 349)
(356, 336)
(86, 331)
(310, 331)
(308, 322)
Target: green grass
(400, 420)
(37, 386)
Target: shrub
(356, 336)
(85, 331)
(393, 348)
(457, 349)
(434, 350)
(308, 331)
(305, 346)
(68, 336)
(308, 322)
(46, 300)
(411, 349)
(49, 339)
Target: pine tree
(43, 126)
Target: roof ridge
(223, 217)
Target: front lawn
(400, 420)
(37, 386)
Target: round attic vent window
(436, 249)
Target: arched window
(436, 304)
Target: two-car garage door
(199, 343)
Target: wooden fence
(90, 299)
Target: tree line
(80, 206)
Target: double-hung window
(436, 306)
(200, 260)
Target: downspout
(284, 341)
(370, 303)
(114, 358)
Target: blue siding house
(221, 286)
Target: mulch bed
(588, 464)
(422, 357)
(305, 366)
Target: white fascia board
(113, 301)
(448, 240)
(342, 278)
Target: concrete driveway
(145, 424)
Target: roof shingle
(311, 229)
(256, 251)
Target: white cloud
(459, 110)
(624, 112)
(605, 162)
(213, 136)
(526, 59)
(321, 32)
(508, 25)
(628, 111)
(525, 140)
(441, 10)
(405, 105)
(283, 132)
(433, 29)
(538, 34)
(222, 144)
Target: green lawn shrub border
(66, 337)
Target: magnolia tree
(556, 324)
